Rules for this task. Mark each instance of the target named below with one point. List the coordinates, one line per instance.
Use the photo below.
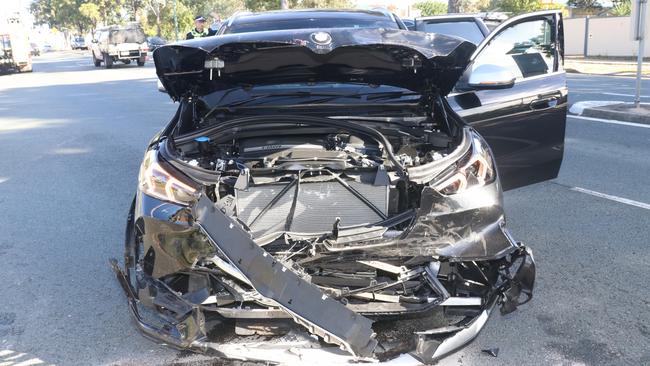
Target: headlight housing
(474, 169)
(156, 181)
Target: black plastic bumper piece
(320, 314)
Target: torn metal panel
(320, 314)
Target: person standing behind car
(199, 30)
(216, 23)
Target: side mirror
(488, 76)
(94, 41)
(161, 87)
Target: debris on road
(494, 352)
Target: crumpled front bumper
(330, 331)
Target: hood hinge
(413, 62)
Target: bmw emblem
(321, 38)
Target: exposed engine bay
(314, 183)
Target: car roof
(305, 13)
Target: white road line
(30, 362)
(613, 198)
(6, 352)
(610, 121)
(15, 357)
(624, 95)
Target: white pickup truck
(119, 43)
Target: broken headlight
(474, 169)
(155, 180)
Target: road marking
(612, 198)
(623, 95)
(611, 121)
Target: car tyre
(108, 61)
(141, 61)
(97, 62)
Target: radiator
(317, 207)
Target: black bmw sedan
(333, 195)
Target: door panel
(524, 124)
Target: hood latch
(214, 63)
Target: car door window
(527, 49)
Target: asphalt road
(71, 141)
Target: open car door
(514, 93)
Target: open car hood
(420, 62)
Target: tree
(585, 4)
(90, 12)
(224, 8)
(473, 6)
(621, 8)
(315, 4)
(524, 6)
(62, 14)
(262, 5)
(428, 8)
(156, 7)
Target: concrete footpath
(604, 66)
(626, 112)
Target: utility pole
(284, 4)
(175, 21)
(639, 29)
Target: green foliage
(428, 8)
(523, 6)
(262, 5)
(584, 4)
(67, 14)
(473, 6)
(621, 8)
(322, 4)
(222, 8)
(90, 13)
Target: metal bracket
(320, 314)
(214, 63)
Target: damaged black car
(335, 195)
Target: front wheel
(108, 61)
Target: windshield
(134, 35)
(305, 94)
(255, 25)
(466, 29)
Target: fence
(603, 36)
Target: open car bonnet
(420, 62)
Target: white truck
(119, 43)
(15, 49)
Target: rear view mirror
(489, 76)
